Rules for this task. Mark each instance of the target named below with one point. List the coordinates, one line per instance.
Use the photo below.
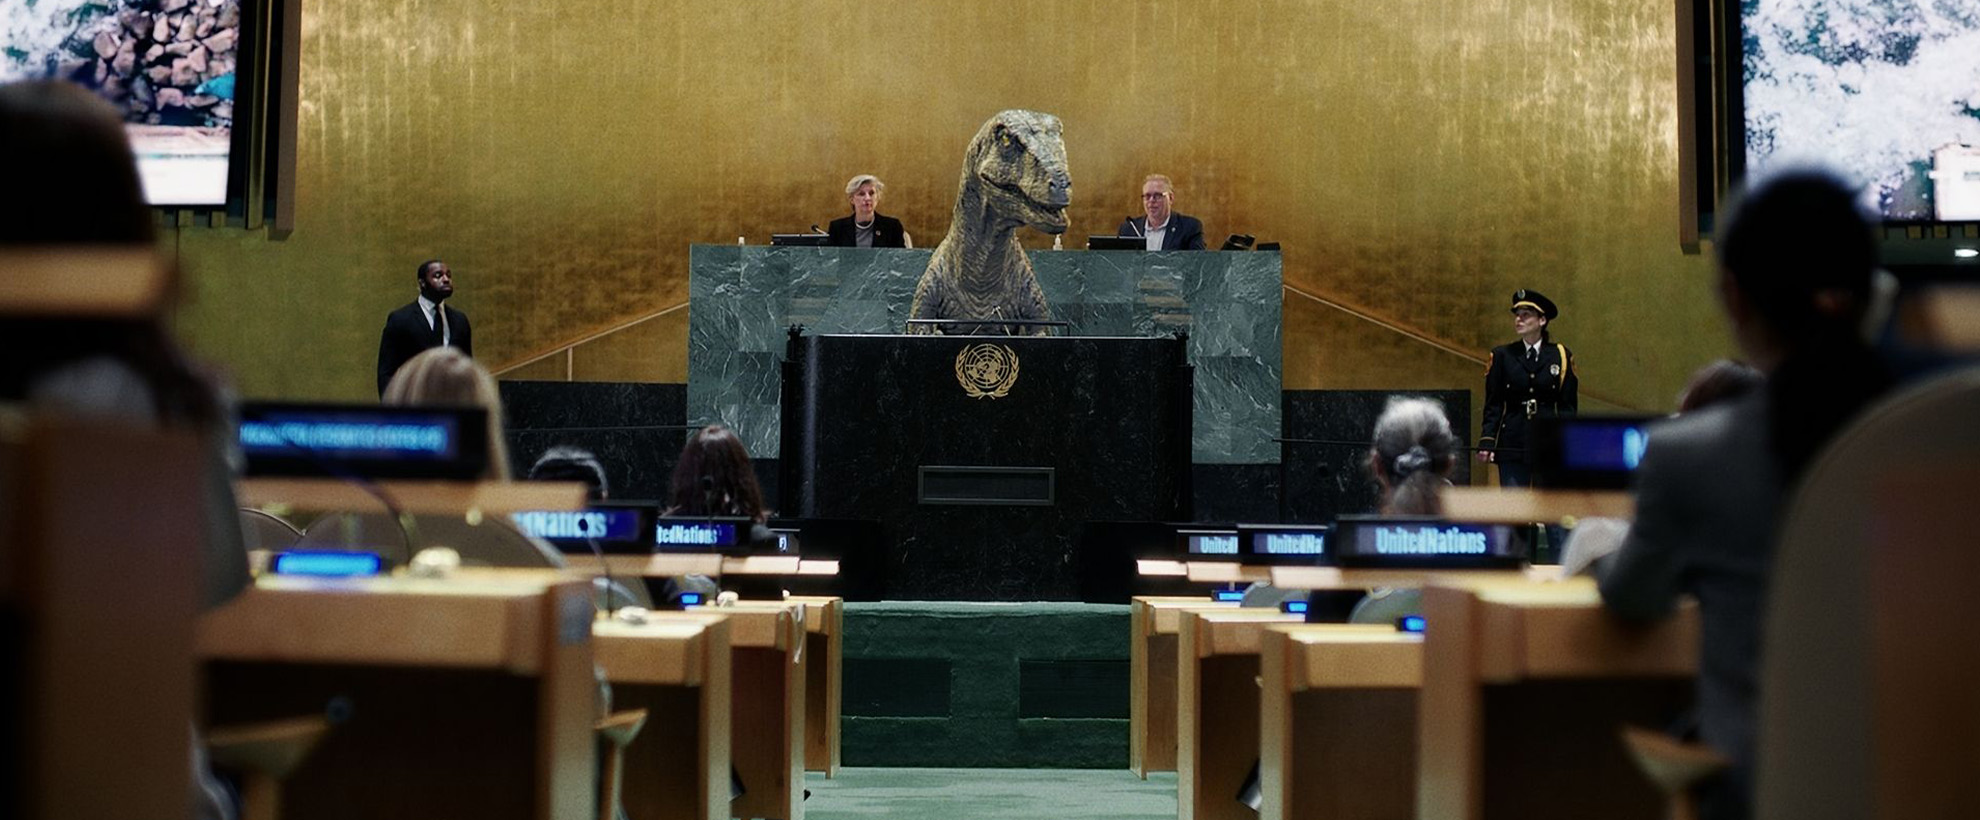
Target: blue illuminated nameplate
(1211, 543)
(363, 441)
(1424, 543)
(1293, 607)
(1612, 446)
(1289, 543)
(688, 599)
(1410, 623)
(690, 535)
(327, 564)
(604, 524)
(1227, 595)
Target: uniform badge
(987, 371)
(1554, 370)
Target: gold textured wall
(1419, 160)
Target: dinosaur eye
(1005, 138)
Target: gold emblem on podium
(987, 371)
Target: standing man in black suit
(1164, 229)
(425, 322)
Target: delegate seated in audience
(1593, 540)
(442, 377)
(85, 193)
(565, 463)
(1796, 258)
(1411, 457)
(714, 477)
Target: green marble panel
(743, 298)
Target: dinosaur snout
(1058, 192)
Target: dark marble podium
(983, 470)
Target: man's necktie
(440, 323)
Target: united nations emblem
(987, 371)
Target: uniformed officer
(1530, 378)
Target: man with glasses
(1162, 227)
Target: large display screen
(168, 65)
(1885, 90)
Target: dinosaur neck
(993, 247)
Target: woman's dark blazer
(887, 232)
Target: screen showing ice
(1887, 91)
(168, 65)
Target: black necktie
(1533, 354)
(440, 322)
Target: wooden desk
(1338, 723)
(768, 667)
(1292, 577)
(101, 549)
(678, 670)
(1224, 572)
(440, 497)
(824, 642)
(1153, 621)
(1217, 708)
(456, 698)
(1524, 687)
(1522, 505)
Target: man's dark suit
(407, 333)
(1708, 504)
(887, 233)
(1185, 232)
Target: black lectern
(983, 456)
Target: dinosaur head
(1018, 162)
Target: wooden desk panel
(1153, 622)
(1217, 708)
(480, 693)
(1514, 675)
(767, 703)
(1338, 722)
(678, 669)
(824, 641)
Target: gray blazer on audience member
(1708, 505)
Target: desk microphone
(814, 228)
(1136, 228)
(584, 529)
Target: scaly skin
(1014, 174)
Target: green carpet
(985, 685)
(982, 794)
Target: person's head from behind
(446, 377)
(562, 463)
(1796, 261)
(863, 192)
(714, 477)
(74, 185)
(74, 179)
(1720, 381)
(1412, 456)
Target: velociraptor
(1014, 174)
